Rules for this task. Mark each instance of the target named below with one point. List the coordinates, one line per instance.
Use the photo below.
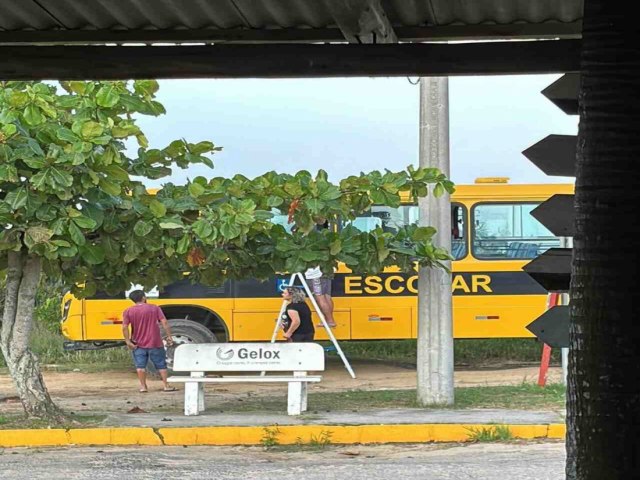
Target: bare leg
(142, 377)
(326, 305)
(163, 377)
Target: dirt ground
(117, 391)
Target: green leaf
(107, 96)
(158, 209)
(94, 212)
(274, 201)
(76, 234)
(32, 115)
(171, 225)
(85, 222)
(35, 147)
(5, 152)
(195, 189)
(201, 147)
(116, 172)
(77, 87)
(438, 191)
(91, 129)
(142, 140)
(17, 99)
(142, 228)
(147, 87)
(202, 228)
(92, 254)
(46, 213)
(9, 129)
(230, 230)
(17, 198)
(67, 135)
(423, 234)
(35, 162)
(109, 187)
(183, 245)
(8, 173)
(53, 177)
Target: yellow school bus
(493, 237)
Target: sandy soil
(118, 391)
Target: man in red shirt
(145, 341)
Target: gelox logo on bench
(244, 353)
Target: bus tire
(186, 331)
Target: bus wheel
(187, 331)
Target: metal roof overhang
(285, 38)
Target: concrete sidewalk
(371, 426)
(387, 416)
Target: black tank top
(306, 325)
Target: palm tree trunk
(603, 398)
(23, 275)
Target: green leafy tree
(73, 206)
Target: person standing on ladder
(320, 284)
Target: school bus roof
(506, 191)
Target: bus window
(509, 231)
(458, 232)
(281, 219)
(391, 219)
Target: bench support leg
(297, 401)
(194, 395)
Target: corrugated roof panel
(268, 15)
(21, 14)
(144, 14)
(286, 13)
(475, 12)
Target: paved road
(521, 461)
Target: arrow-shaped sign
(555, 155)
(563, 93)
(552, 269)
(552, 327)
(557, 214)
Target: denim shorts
(158, 357)
(320, 286)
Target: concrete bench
(200, 358)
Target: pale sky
(346, 126)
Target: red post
(552, 300)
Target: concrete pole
(435, 326)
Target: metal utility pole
(435, 326)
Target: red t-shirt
(144, 318)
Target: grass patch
(495, 433)
(467, 351)
(19, 421)
(521, 397)
(47, 345)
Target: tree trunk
(603, 397)
(23, 275)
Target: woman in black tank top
(296, 319)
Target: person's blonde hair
(297, 295)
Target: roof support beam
(362, 21)
(538, 31)
(288, 61)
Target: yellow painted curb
(284, 435)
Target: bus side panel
(103, 318)
(496, 316)
(254, 320)
(387, 317)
